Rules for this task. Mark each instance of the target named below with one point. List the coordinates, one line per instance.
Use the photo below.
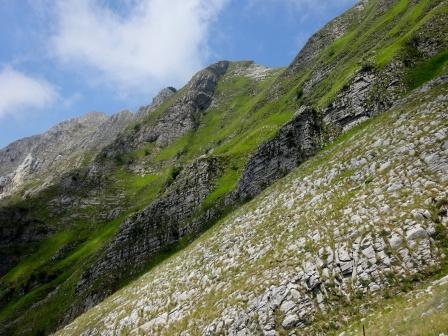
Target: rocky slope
(132, 197)
(365, 217)
(65, 146)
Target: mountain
(70, 144)
(250, 201)
(315, 248)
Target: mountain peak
(162, 96)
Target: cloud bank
(153, 42)
(20, 92)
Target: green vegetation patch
(425, 71)
(419, 313)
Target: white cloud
(150, 43)
(20, 93)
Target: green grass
(405, 30)
(245, 114)
(170, 152)
(43, 317)
(422, 314)
(225, 184)
(231, 129)
(93, 245)
(84, 238)
(229, 121)
(141, 189)
(48, 248)
(352, 48)
(425, 71)
(61, 272)
(374, 42)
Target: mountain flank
(250, 201)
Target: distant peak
(88, 119)
(218, 68)
(93, 116)
(163, 95)
(250, 69)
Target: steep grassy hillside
(381, 36)
(419, 312)
(82, 213)
(364, 219)
(231, 128)
(197, 154)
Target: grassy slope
(375, 42)
(231, 130)
(230, 116)
(423, 311)
(260, 245)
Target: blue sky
(62, 58)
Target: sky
(62, 58)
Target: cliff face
(148, 232)
(18, 231)
(295, 142)
(107, 198)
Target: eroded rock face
(57, 151)
(184, 114)
(162, 96)
(179, 118)
(343, 271)
(167, 219)
(157, 101)
(17, 231)
(368, 93)
(296, 141)
(171, 216)
(146, 233)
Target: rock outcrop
(179, 118)
(325, 36)
(157, 101)
(295, 142)
(18, 231)
(148, 232)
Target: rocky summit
(306, 200)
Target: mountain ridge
(200, 153)
(278, 265)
